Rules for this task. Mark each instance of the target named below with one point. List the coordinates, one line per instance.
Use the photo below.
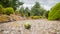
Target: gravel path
(40, 26)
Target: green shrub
(8, 11)
(1, 9)
(35, 17)
(17, 12)
(27, 25)
(54, 12)
(1, 6)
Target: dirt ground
(38, 26)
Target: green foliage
(22, 12)
(8, 11)
(1, 9)
(42, 11)
(11, 3)
(1, 6)
(37, 10)
(26, 11)
(4, 3)
(54, 12)
(17, 12)
(46, 14)
(27, 25)
(35, 17)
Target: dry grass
(4, 18)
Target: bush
(27, 25)
(35, 17)
(1, 9)
(1, 6)
(8, 11)
(54, 12)
(17, 12)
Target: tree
(42, 11)
(46, 14)
(54, 12)
(37, 10)
(11, 3)
(26, 11)
(22, 11)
